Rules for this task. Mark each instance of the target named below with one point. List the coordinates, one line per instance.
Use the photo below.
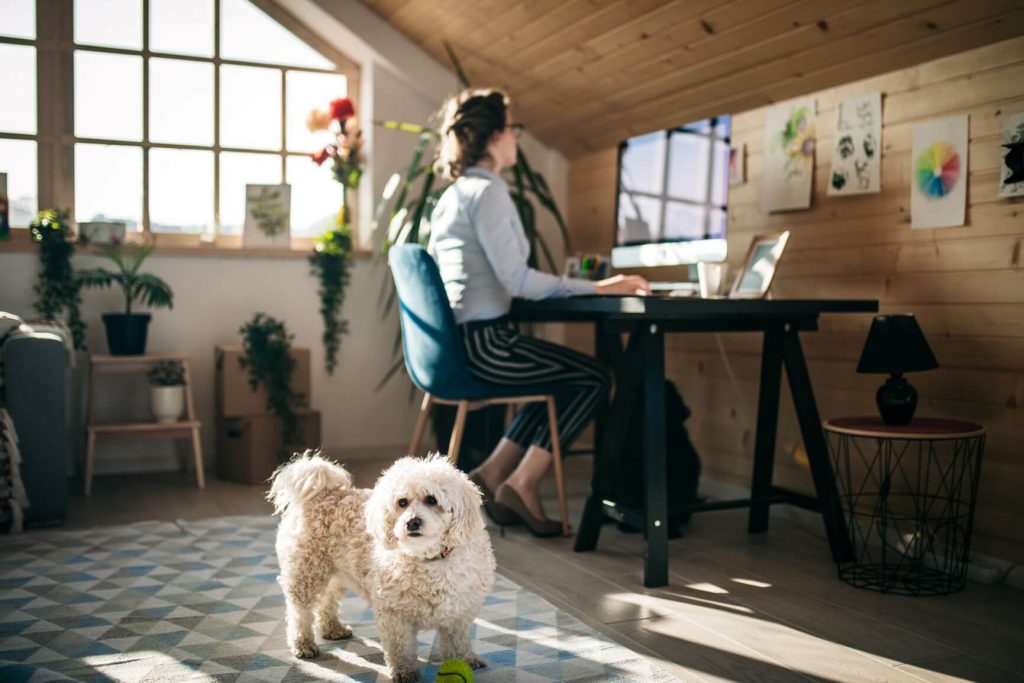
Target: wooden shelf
(110, 431)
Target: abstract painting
(1011, 181)
(857, 146)
(938, 173)
(789, 140)
(738, 164)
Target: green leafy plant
(330, 264)
(141, 287)
(267, 345)
(409, 198)
(57, 289)
(167, 373)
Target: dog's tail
(302, 478)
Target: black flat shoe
(541, 528)
(498, 513)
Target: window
(178, 104)
(19, 141)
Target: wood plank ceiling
(586, 74)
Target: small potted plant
(126, 332)
(166, 391)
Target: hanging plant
(267, 345)
(330, 262)
(333, 249)
(57, 289)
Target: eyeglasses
(517, 129)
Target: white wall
(215, 295)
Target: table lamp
(896, 345)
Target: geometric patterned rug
(199, 601)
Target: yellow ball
(454, 671)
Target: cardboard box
(250, 448)
(235, 398)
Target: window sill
(228, 246)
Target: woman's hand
(623, 285)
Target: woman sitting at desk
(482, 252)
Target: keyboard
(681, 288)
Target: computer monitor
(672, 196)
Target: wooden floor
(738, 608)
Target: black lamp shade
(896, 345)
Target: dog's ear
(380, 516)
(464, 499)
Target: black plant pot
(126, 334)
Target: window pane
(639, 219)
(688, 167)
(180, 191)
(18, 88)
(720, 174)
(236, 171)
(111, 23)
(18, 161)
(250, 107)
(684, 221)
(316, 197)
(248, 34)
(643, 164)
(306, 91)
(180, 101)
(181, 26)
(19, 18)
(108, 96)
(108, 184)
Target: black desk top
(674, 308)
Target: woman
(482, 251)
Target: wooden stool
(189, 427)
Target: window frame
(55, 133)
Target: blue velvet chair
(436, 361)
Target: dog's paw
(303, 648)
(475, 661)
(405, 676)
(335, 630)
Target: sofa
(35, 378)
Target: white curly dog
(415, 548)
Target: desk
(641, 366)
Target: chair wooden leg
(556, 456)
(90, 453)
(421, 424)
(460, 426)
(197, 453)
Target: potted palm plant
(166, 391)
(126, 332)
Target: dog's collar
(445, 552)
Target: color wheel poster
(938, 173)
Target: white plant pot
(166, 403)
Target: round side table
(908, 494)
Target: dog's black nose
(414, 524)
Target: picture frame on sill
(759, 266)
(267, 216)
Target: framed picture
(101, 232)
(268, 211)
(738, 164)
(5, 214)
(760, 265)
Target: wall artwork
(267, 216)
(738, 164)
(1011, 183)
(857, 146)
(938, 172)
(789, 139)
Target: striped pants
(499, 354)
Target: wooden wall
(966, 284)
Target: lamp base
(896, 400)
